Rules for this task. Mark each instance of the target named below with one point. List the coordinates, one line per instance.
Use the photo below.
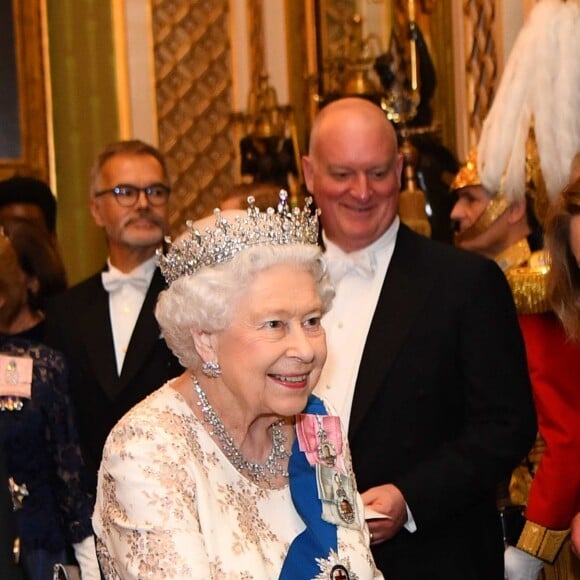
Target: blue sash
(319, 537)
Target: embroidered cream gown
(170, 505)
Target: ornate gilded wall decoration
(193, 87)
(481, 67)
(24, 140)
(334, 40)
(336, 14)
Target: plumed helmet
(532, 130)
(468, 173)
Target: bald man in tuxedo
(426, 362)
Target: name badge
(15, 376)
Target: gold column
(85, 119)
(256, 34)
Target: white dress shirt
(348, 321)
(125, 302)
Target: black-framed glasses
(127, 195)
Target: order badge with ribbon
(320, 439)
(15, 381)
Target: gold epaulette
(529, 285)
(541, 542)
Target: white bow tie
(360, 263)
(113, 281)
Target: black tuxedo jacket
(78, 324)
(442, 408)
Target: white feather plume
(541, 81)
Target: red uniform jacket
(554, 364)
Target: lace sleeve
(74, 502)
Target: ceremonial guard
(503, 192)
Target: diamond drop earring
(211, 369)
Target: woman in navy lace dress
(38, 436)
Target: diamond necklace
(257, 472)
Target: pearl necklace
(257, 472)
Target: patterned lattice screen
(193, 87)
(482, 66)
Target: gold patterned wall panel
(481, 67)
(193, 85)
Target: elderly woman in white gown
(234, 470)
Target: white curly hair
(204, 300)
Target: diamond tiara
(273, 227)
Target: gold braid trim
(529, 285)
(515, 256)
(495, 208)
(541, 542)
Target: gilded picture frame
(24, 146)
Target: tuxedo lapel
(96, 332)
(403, 293)
(146, 333)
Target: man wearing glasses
(105, 325)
